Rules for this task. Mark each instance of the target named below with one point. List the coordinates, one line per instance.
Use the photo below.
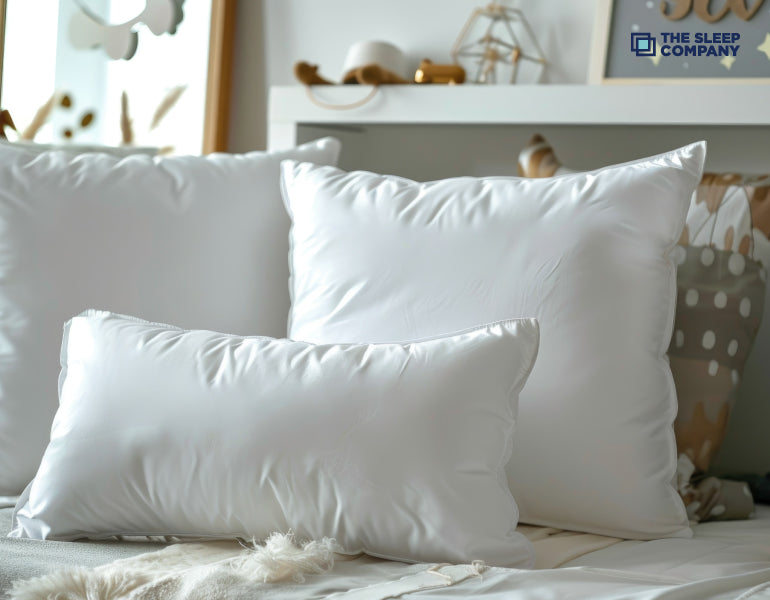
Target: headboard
(432, 132)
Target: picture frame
(610, 50)
(218, 89)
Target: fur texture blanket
(216, 570)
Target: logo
(643, 44)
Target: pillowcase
(377, 258)
(394, 450)
(720, 303)
(200, 241)
(721, 293)
(728, 211)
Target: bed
(142, 462)
(722, 560)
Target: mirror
(134, 73)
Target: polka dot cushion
(721, 287)
(719, 308)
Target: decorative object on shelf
(680, 41)
(429, 72)
(89, 30)
(367, 63)
(385, 55)
(371, 74)
(498, 45)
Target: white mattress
(728, 560)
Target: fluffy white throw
(186, 571)
(217, 570)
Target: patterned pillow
(723, 253)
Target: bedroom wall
(273, 34)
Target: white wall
(273, 34)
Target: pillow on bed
(728, 211)
(200, 241)
(720, 302)
(394, 450)
(377, 258)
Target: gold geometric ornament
(497, 44)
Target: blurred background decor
(87, 29)
(178, 78)
(497, 45)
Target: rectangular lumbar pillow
(198, 241)
(397, 450)
(377, 258)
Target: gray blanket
(23, 559)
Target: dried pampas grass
(168, 102)
(126, 126)
(41, 118)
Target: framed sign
(681, 41)
(150, 73)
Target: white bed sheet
(723, 560)
(728, 560)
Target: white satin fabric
(377, 258)
(394, 450)
(197, 241)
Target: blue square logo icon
(643, 44)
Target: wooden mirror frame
(219, 83)
(2, 46)
(216, 116)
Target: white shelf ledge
(542, 104)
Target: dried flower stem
(168, 102)
(41, 118)
(126, 127)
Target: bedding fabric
(377, 258)
(723, 561)
(197, 241)
(395, 450)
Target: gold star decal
(728, 61)
(765, 46)
(655, 59)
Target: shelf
(527, 104)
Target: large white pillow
(197, 241)
(394, 450)
(377, 258)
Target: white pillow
(377, 258)
(201, 242)
(394, 450)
